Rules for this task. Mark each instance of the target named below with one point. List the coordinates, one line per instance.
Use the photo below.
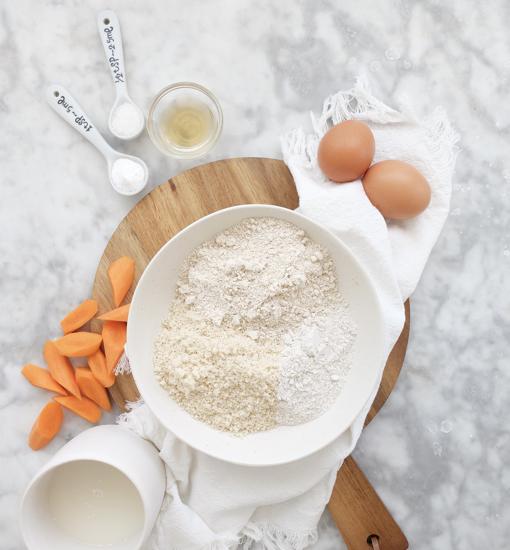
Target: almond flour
(258, 333)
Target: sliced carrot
(84, 407)
(46, 426)
(97, 364)
(92, 389)
(121, 273)
(79, 316)
(41, 378)
(78, 344)
(114, 340)
(60, 368)
(119, 314)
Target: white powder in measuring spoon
(128, 176)
(126, 121)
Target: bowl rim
(348, 420)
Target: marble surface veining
(439, 451)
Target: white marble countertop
(439, 451)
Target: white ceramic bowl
(115, 446)
(283, 444)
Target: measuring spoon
(109, 31)
(63, 103)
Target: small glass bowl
(185, 91)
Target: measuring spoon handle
(109, 32)
(64, 104)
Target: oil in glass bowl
(186, 123)
(185, 120)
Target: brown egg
(396, 189)
(346, 151)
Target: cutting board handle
(360, 515)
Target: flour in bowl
(258, 333)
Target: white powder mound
(127, 121)
(128, 175)
(315, 361)
(258, 333)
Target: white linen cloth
(211, 504)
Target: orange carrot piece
(79, 316)
(41, 378)
(46, 426)
(60, 368)
(84, 407)
(121, 274)
(92, 389)
(78, 344)
(114, 340)
(119, 314)
(97, 364)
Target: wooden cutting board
(191, 195)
